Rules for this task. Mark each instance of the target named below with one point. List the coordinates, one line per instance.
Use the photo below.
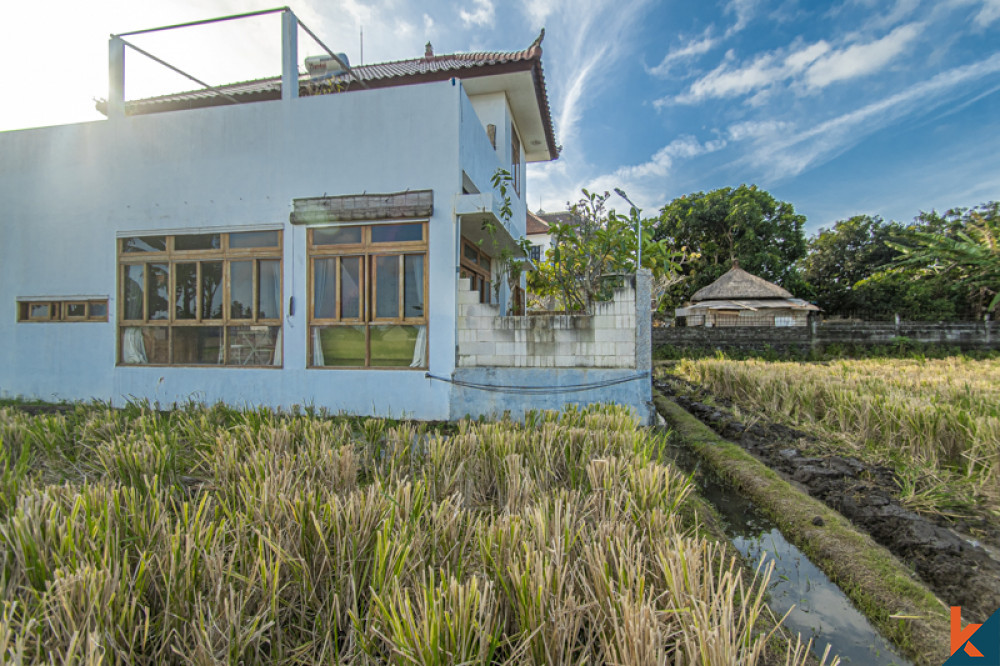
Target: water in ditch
(818, 608)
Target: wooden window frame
(172, 257)
(59, 309)
(482, 276)
(368, 251)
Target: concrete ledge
(879, 585)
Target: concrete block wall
(604, 339)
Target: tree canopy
(744, 224)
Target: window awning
(363, 207)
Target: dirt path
(961, 572)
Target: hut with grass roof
(739, 298)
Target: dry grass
(212, 536)
(936, 422)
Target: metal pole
(116, 77)
(179, 71)
(635, 214)
(206, 21)
(289, 55)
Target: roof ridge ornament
(537, 44)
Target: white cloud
(662, 161)
(783, 155)
(861, 59)
(756, 129)
(538, 11)
(815, 65)
(989, 13)
(744, 10)
(483, 13)
(689, 50)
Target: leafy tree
(963, 245)
(744, 224)
(588, 257)
(844, 255)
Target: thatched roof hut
(739, 298)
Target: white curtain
(420, 350)
(318, 358)
(276, 357)
(417, 292)
(275, 268)
(133, 346)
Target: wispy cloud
(988, 14)
(482, 14)
(812, 66)
(689, 50)
(782, 154)
(861, 59)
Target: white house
(283, 241)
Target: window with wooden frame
(367, 296)
(63, 310)
(200, 299)
(515, 159)
(476, 266)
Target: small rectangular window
(251, 239)
(196, 242)
(144, 244)
(70, 310)
(397, 233)
(336, 236)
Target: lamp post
(638, 228)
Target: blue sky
(857, 106)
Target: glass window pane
(197, 345)
(269, 294)
(397, 233)
(41, 311)
(252, 345)
(186, 291)
(76, 310)
(471, 253)
(325, 288)
(141, 345)
(197, 242)
(350, 287)
(253, 239)
(413, 290)
(211, 290)
(392, 346)
(387, 287)
(339, 346)
(98, 309)
(159, 291)
(133, 291)
(336, 236)
(241, 290)
(144, 244)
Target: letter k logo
(960, 636)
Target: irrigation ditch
(821, 558)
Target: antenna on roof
(362, 45)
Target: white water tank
(325, 66)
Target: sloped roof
(536, 225)
(376, 75)
(753, 304)
(738, 284)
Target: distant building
(538, 225)
(739, 298)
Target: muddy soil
(960, 571)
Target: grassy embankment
(217, 536)
(936, 423)
(882, 588)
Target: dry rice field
(935, 422)
(215, 536)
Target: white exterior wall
(69, 191)
(604, 339)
